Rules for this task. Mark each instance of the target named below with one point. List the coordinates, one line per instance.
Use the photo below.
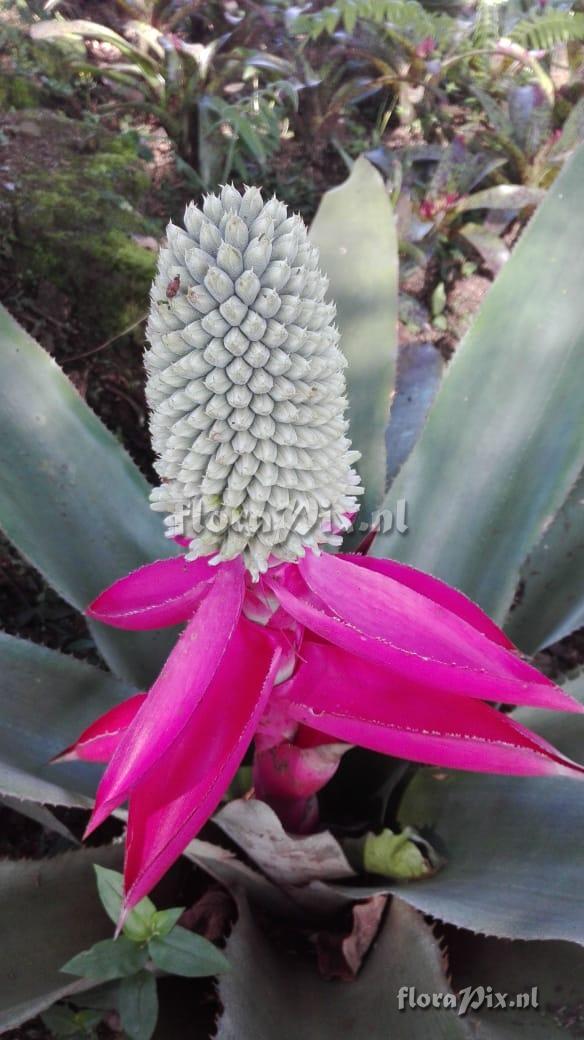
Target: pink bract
(317, 656)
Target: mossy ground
(69, 214)
(34, 73)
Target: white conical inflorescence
(246, 386)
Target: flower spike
(246, 386)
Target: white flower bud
(213, 208)
(276, 274)
(257, 255)
(214, 324)
(233, 310)
(247, 287)
(219, 284)
(257, 355)
(253, 326)
(251, 205)
(210, 238)
(235, 342)
(230, 198)
(193, 220)
(245, 385)
(198, 263)
(230, 259)
(216, 353)
(268, 303)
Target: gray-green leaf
(552, 591)
(49, 910)
(500, 451)
(419, 374)
(291, 1001)
(46, 700)
(354, 230)
(512, 845)
(72, 501)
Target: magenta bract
(317, 656)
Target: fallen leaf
(341, 956)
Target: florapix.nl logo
(191, 517)
(470, 998)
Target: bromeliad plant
(206, 95)
(505, 67)
(246, 390)
(310, 650)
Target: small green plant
(69, 1023)
(420, 60)
(151, 942)
(182, 85)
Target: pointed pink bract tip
(68, 755)
(98, 816)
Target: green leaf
(354, 230)
(438, 300)
(138, 1006)
(164, 920)
(291, 1001)
(502, 196)
(139, 923)
(49, 911)
(183, 953)
(502, 445)
(59, 29)
(488, 244)
(108, 959)
(551, 604)
(512, 845)
(46, 700)
(63, 1021)
(110, 886)
(72, 501)
(546, 29)
(394, 855)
